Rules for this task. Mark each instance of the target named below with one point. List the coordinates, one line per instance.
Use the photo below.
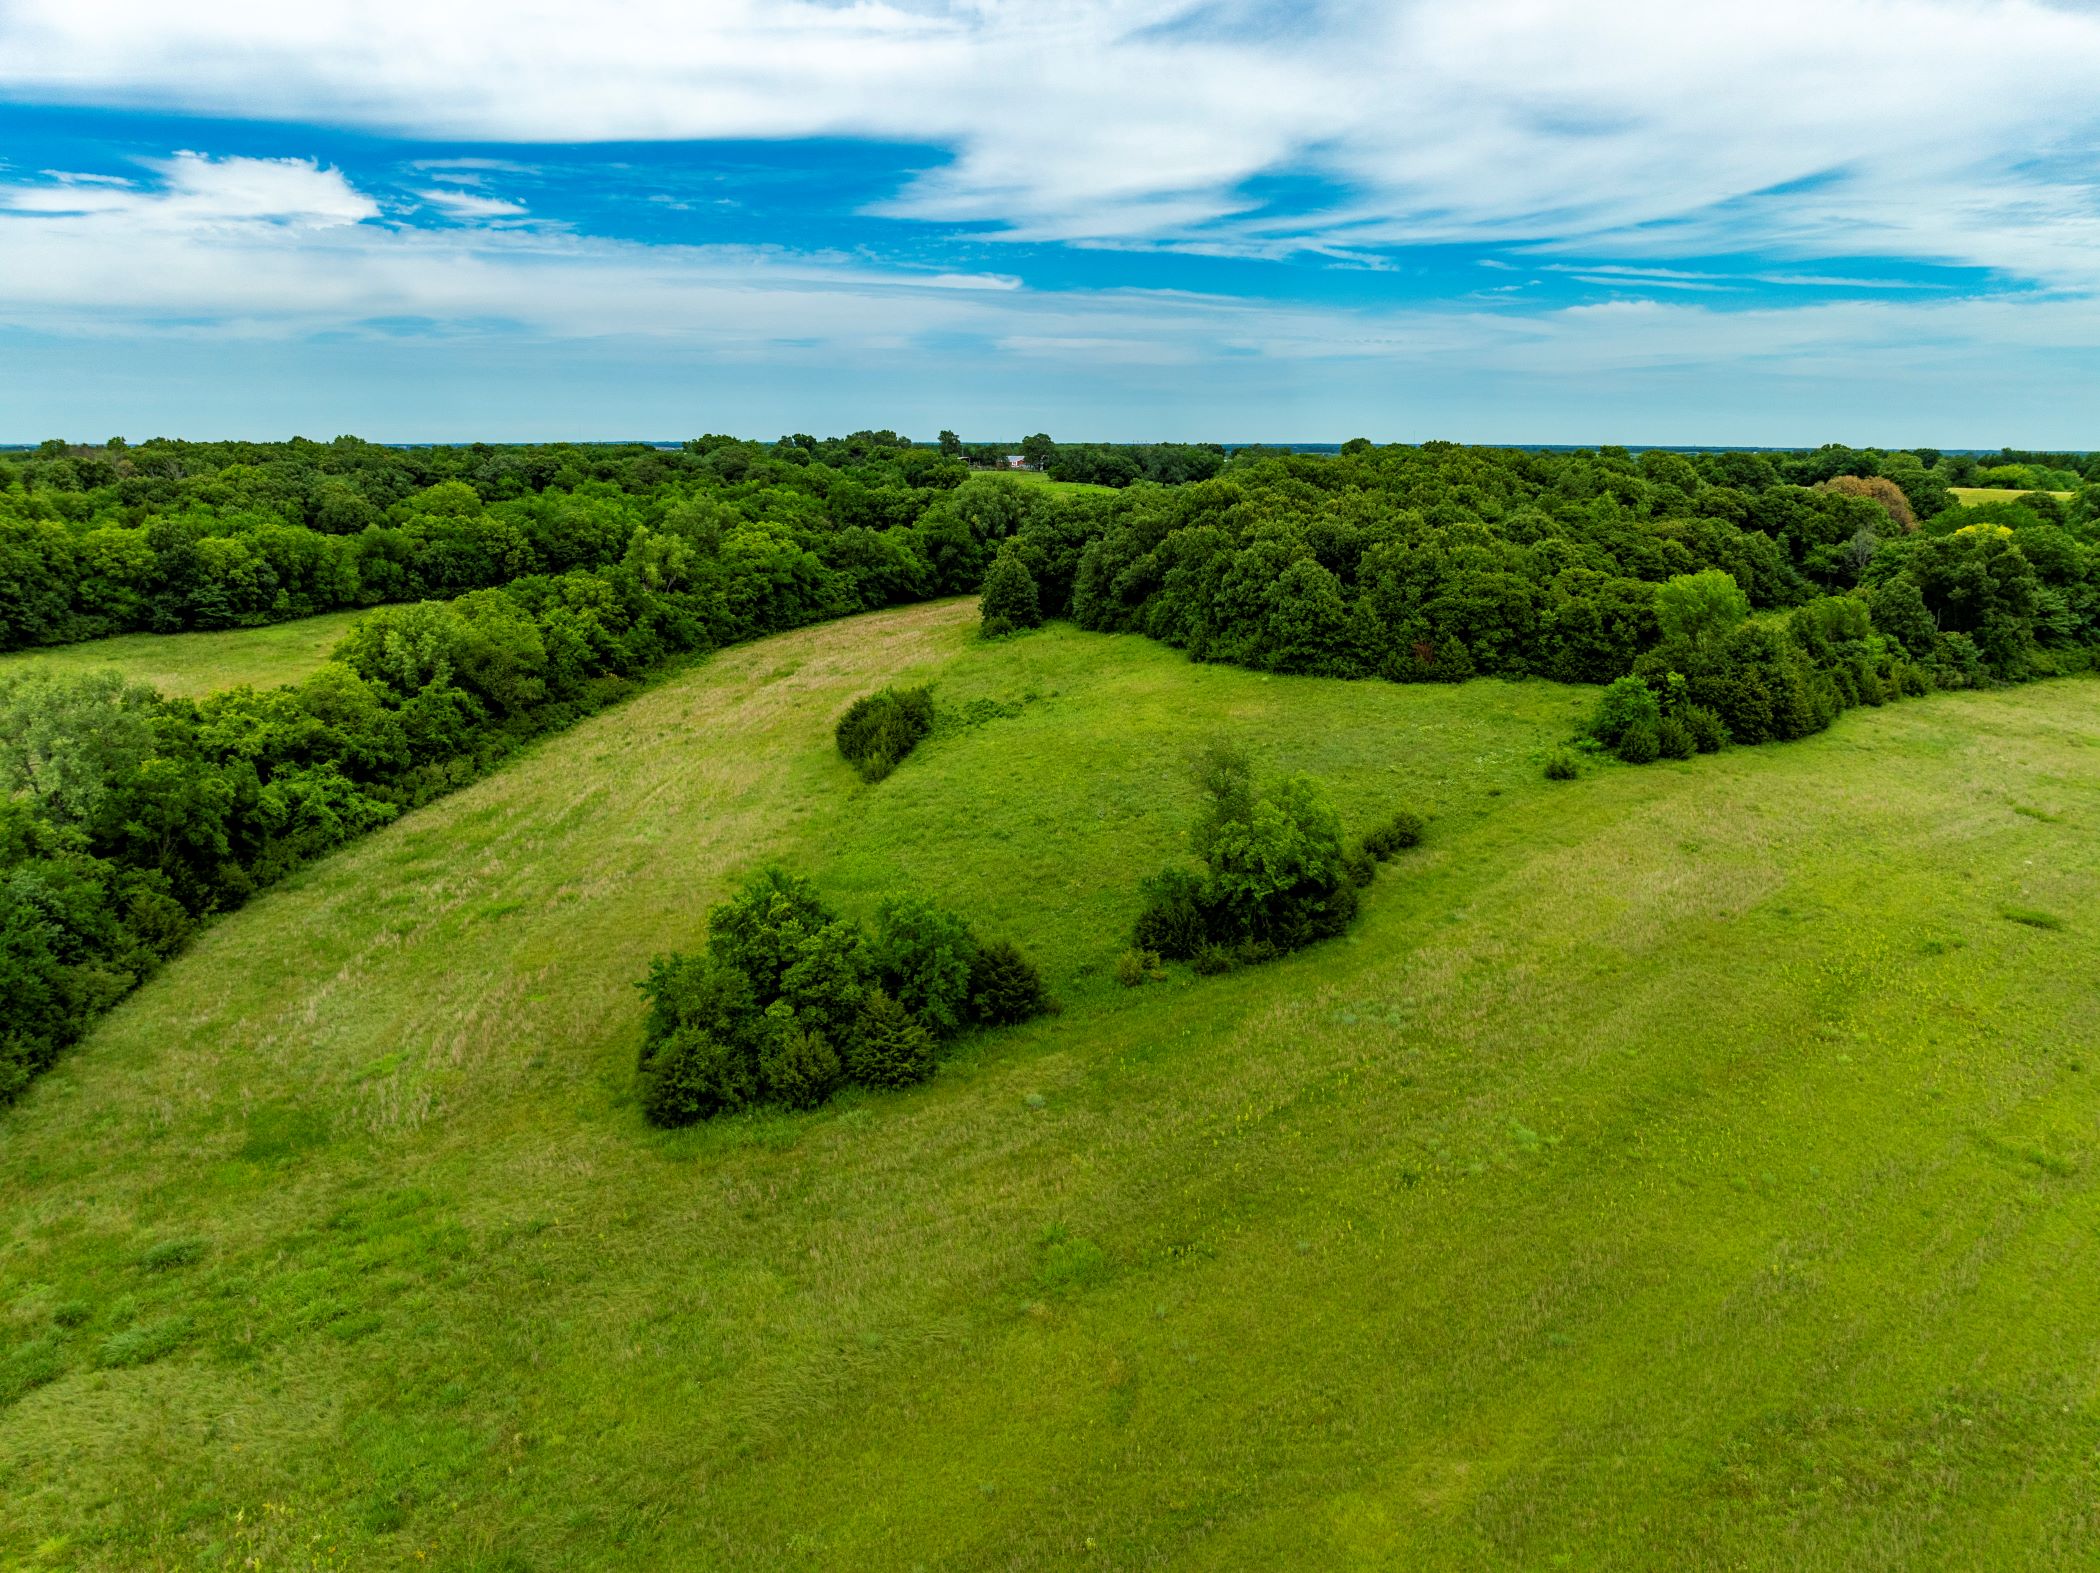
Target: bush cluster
(1276, 875)
(789, 1002)
(879, 729)
(1737, 678)
(1397, 834)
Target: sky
(1552, 221)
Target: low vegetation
(878, 730)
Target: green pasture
(1691, 1166)
(1038, 478)
(200, 663)
(1972, 496)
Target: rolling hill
(1693, 1162)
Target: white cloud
(1616, 138)
(469, 205)
(1889, 127)
(259, 250)
(198, 193)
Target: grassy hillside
(195, 664)
(1691, 1165)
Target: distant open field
(1692, 1166)
(1038, 478)
(193, 664)
(1970, 496)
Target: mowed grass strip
(192, 665)
(1685, 1166)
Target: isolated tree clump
(1877, 489)
(789, 1002)
(1276, 874)
(879, 729)
(1011, 600)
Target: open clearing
(1971, 496)
(197, 664)
(1038, 478)
(1692, 1165)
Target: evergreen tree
(1004, 985)
(889, 1048)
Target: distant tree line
(167, 536)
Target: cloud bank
(1620, 147)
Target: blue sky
(1512, 220)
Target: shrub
(796, 1062)
(1397, 834)
(1708, 734)
(1358, 866)
(829, 980)
(1673, 739)
(1011, 600)
(1275, 854)
(889, 1048)
(693, 1075)
(1626, 705)
(1211, 960)
(1641, 744)
(1005, 988)
(760, 930)
(1173, 921)
(879, 729)
(923, 955)
(1561, 766)
(1135, 966)
(1275, 870)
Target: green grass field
(1689, 1167)
(195, 664)
(1038, 478)
(1971, 496)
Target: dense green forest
(518, 589)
